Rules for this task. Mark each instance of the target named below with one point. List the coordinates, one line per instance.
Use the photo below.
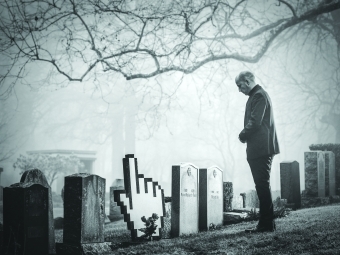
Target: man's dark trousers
(260, 168)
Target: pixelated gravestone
(115, 213)
(228, 195)
(315, 174)
(142, 197)
(84, 215)
(25, 216)
(330, 188)
(210, 198)
(290, 183)
(37, 176)
(184, 205)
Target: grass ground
(306, 231)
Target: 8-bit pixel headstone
(25, 216)
(184, 205)
(290, 183)
(141, 197)
(210, 198)
(37, 176)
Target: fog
(173, 117)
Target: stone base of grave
(115, 217)
(84, 249)
(233, 217)
(308, 202)
(334, 199)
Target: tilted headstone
(25, 216)
(330, 184)
(210, 198)
(184, 204)
(84, 215)
(290, 183)
(115, 213)
(228, 195)
(142, 197)
(315, 174)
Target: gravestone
(1, 188)
(115, 213)
(252, 199)
(290, 183)
(315, 174)
(25, 216)
(166, 230)
(184, 205)
(142, 197)
(37, 176)
(210, 198)
(330, 184)
(228, 195)
(84, 215)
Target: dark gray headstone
(84, 209)
(252, 199)
(184, 203)
(330, 173)
(210, 198)
(25, 216)
(228, 195)
(37, 176)
(315, 174)
(290, 183)
(115, 213)
(84, 215)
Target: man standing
(260, 135)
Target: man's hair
(245, 75)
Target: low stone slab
(233, 217)
(308, 202)
(84, 249)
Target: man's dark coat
(259, 127)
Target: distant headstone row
(320, 178)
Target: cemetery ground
(305, 231)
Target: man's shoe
(260, 229)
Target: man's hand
(141, 198)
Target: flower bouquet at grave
(150, 227)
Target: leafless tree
(141, 39)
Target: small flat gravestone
(84, 215)
(210, 198)
(184, 204)
(315, 174)
(290, 183)
(25, 216)
(142, 197)
(37, 176)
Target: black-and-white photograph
(169, 127)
